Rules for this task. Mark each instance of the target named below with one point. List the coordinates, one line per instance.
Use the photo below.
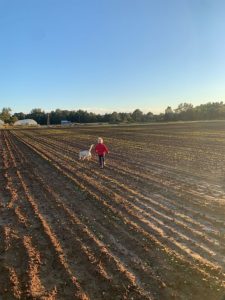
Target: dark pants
(101, 160)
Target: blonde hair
(100, 140)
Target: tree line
(184, 112)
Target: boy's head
(100, 140)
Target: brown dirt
(148, 226)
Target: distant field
(151, 225)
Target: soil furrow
(176, 241)
(145, 220)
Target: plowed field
(151, 225)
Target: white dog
(86, 154)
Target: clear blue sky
(104, 55)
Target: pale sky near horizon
(106, 55)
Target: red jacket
(101, 149)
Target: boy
(101, 150)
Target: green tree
(183, 107)
(114, 118)
(137, 115)
(184, 112)
(168, 114)
(5, 115)
(38, 115)
(125, 117)
(149, 117)
(13, 119)
(20, 115)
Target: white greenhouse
(1, 123)
(26, 122)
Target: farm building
(1, 123)
(65, 122)
(26, 122)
